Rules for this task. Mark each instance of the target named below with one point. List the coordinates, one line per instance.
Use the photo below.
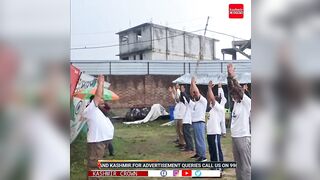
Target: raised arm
(211, 97)
(221, 94)
(193, 88)
(171, 92)
(233, 84)
(99, 92)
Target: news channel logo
(163, 173)
(175, 172)
(197, 173)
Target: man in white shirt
(187, 123)
(178, 114)
(240, 127)
(198, 112)
(222, 101)
(216, 114)
(100, 127)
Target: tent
(203, 79)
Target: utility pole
(202, 44)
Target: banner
(74, 77)
(78, 105)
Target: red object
(186, 173)
(236, 11)
(74, 78)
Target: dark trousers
(187, 136)
(95, 152)
(215, 147)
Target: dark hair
(181, 98)
(237, 93)
(91, 98)
(218, 99)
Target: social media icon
(197, 173)
(186, 173)
(175, 172)
(163, 173)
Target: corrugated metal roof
(203, 79)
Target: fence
(153, 67)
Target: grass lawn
(145, 141)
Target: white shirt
(179, 111)
(198, 109)
(223, 98)
(187, 114)
(240, 118)
(223, 104)
(214, 123)
(100, 126)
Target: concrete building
(150, 41)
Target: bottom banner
(155, 173)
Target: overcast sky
(95, 22)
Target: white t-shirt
(100, 126)
(187, 114)
(223, 104)
(198, 109)
(179, 110)
(240, 118)
(223, 98)
(214, 123)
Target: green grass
(137, 142)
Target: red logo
(236, 11)
(186, 173)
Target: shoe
(111, 154)
(201, 159)
(180, 145)
(184, 149)
(195, 156)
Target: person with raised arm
(100, 128)
(240, 126)
(216, 115)
(198, 112)
(187, 124)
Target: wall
(141, 90)
(132, 45)
(180, 47)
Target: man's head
(194, 96)
(218, 98)
(236, 95)
(100, 101)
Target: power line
(226, 34)
(115, 45)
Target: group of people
(190, 114)
(100, 128)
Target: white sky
(95, 22)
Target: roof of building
(159, 26)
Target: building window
(125, 58)
(124, 39)
(134, 57)
(141, 56)
(138, 35)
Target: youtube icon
(186, 173)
